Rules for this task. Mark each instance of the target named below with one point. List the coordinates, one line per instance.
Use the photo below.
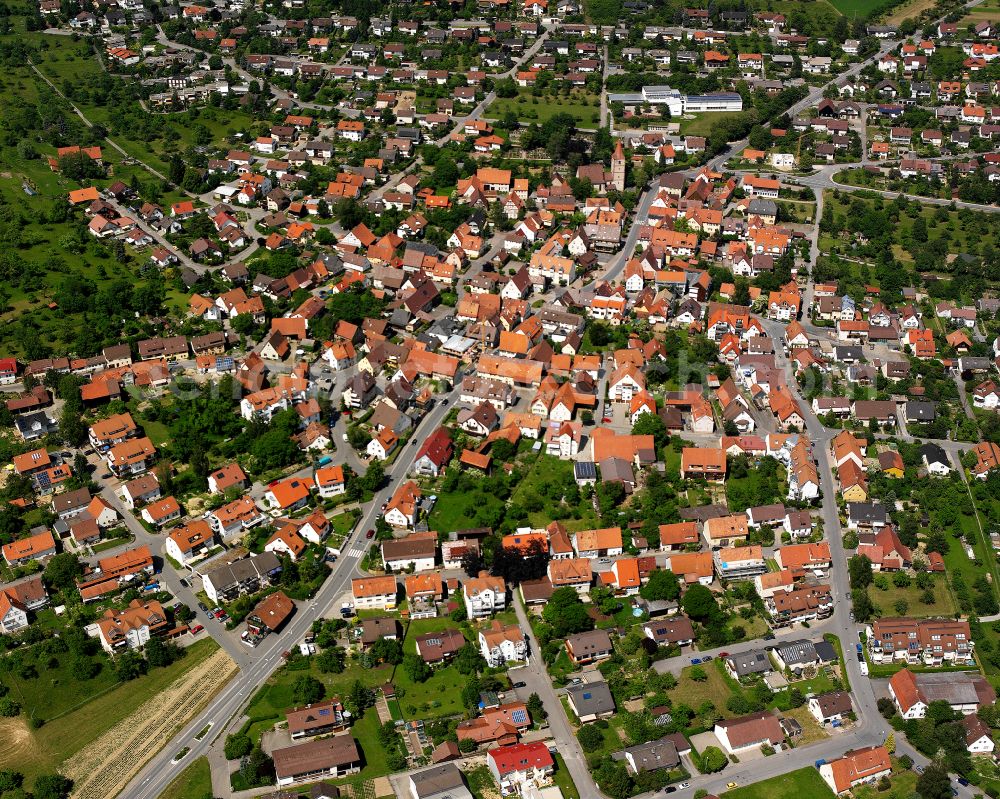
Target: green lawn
(56, 690)
(904, 785)
(195, 782)
(859, 8)
(564, 780)
(805, 782)
(457, 511)
(702, 124)
(481, 783)
(581, 105)
(343, 522)
(541, 491)
(714, 689)
(944, 603)
(269, 704)
(43, 750)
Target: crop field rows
(104, 768)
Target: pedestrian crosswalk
(356, 551)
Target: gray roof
(654, 755)
(592, 698)
(245, 569)
(826, 651)
(753, 661)
(866, 511)
(920, 410)
(797, 652)
(440, 782)
(592, 642)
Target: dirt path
(104, 767)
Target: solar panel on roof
(520, 716)
(324, 711)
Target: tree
(10, 780)
(934, 783)
(9, 708)
(52, 786)
(650, 424)
(373, 477)
(307, 689)
(566, 613)
(255, 766)
(468, 660)
(700, 604)
(238, 745)
(864, 608)
(331, 661)
(859, 568)
(416, 669)
(886, 707)
(613, 779)
(62, 570)
(698, 674)
(712, 759)
(662, 585)
(590, 738)
(890, 743)
(160, 654)
(535, 707)
(359, 698)
(386, 650)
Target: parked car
(706, 658)
(520, 685)
(695, 661)
(196, 629)
(202, 606)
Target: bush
(9, 708)
(238, 745)
(590, 738)
(712, 759)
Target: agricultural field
(108, 762)
(44, 750)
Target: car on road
(370, 534)
(706, 658)
(769, 637)
(730, 784)
(184, 582)
(695, 661)
(963, 781)
(723, 654)
(684, 785)
(521, 684)
(670, 789)
(413, 442)
(202, 606)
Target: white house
(502, 644)
(374, 592)
(484, 595)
